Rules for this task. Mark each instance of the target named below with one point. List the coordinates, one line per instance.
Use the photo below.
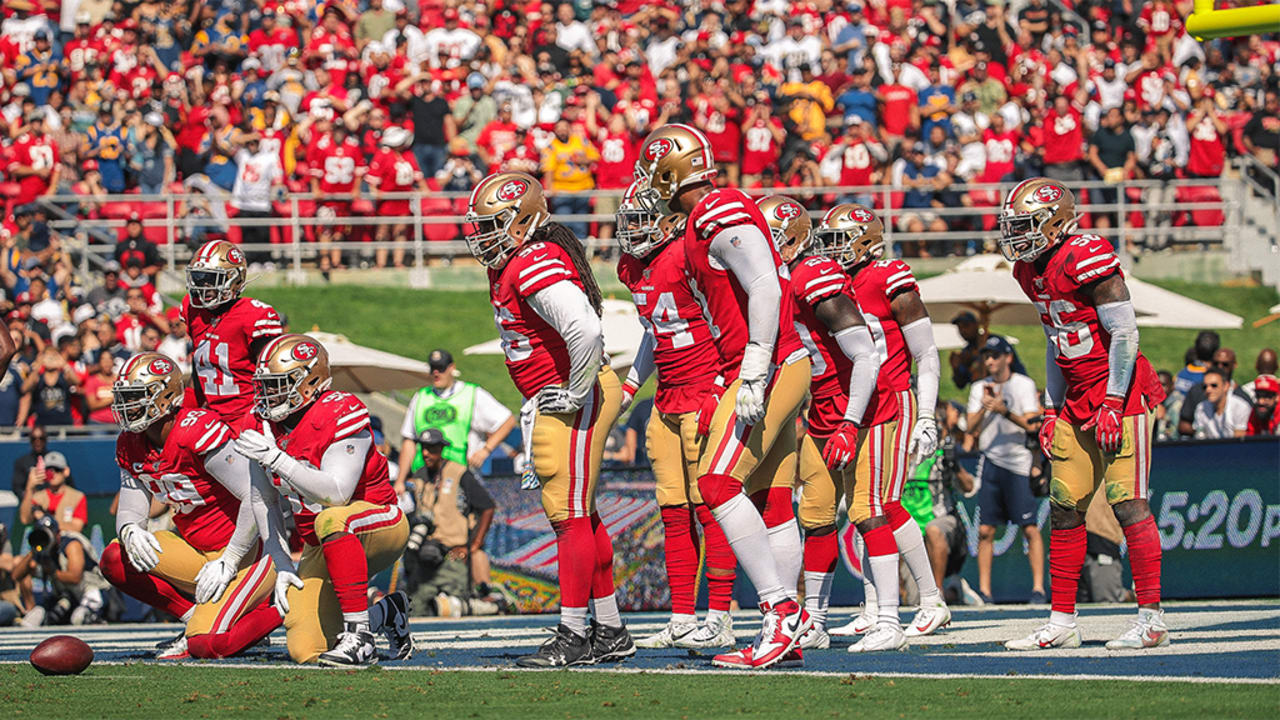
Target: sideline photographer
(453, 511)
(75, 590)
(944, 534)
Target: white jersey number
(213, 365)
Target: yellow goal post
(1207, 22)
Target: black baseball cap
(997, 345)
(432, 437)
(439, 359)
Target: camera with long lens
(43, 540)
(428, 553)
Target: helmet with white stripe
(216, 274)
(504, 210)
(147, 388)
(292, 372)
(850, 234)
(790, 225)
(1036, 215)
(672, 158)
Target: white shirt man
(459, 43)
(257, 173)
(1000, 439)
(1223, 413)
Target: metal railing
(299, 216)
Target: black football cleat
(564, 648)
(611, 644)
(395, 624)
(354, 649)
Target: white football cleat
(929, 620)
(883, 637)
(354, 649)
(668, 636)
(816, 638)
(860, 624)
(1046, 637)
(175, 649)
(1146, 631)
(715, 633)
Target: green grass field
(413, 322)
(140, 691)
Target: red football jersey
(684, 351)
(204, 511)
(394, 171)
(874, 287)
(222, 364)
(856, 164)
(339, 167)
(759, 148)
(1208, 154)
(1063, 136)
(40, 153)
(723, 300)
(617, 163)
(1002, 150)
(1068, 313)
(536, 354)
(814, 280)
(333, 417)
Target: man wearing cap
(110, 289)
(473, 422)
(135, 248)
(47, 493)
(1264, 420)
(1002, 409)
(452, 513)
(39, 66)
(257, 172)
(473, 111)
(451, 45)
(394, 169)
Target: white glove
(628, 394)
(555, 400)
(285, 579)
(924, 439)
(258, 448)
(754, 374)
(141, 547)
(213, 579)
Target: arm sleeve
(135, 503)
(265, 502)
(856, 343)
(1120, 320)
(1055, 385)
(744, 250)
(642, 366)
(231, 469)
(335, 480)
(919, 337)
(565, 307)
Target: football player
(228, 331)
(744, 291)
(842, 383)
(184, 458)
(317, 445)
(887, 295)
(546, 305)
(1099, 396)
(678, 345)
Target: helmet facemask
(1021, 235)
(279, 395)
(640, 230)
(210, 287)
(490, 240)
(133, 407)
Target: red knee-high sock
(602, 576)
(150, 589)
(821, 553)
(1144, 559)
(719, 558)
(680, 548)
(1066, 560)
(246, 632)
(349, 569)
(897, 515)
(576, 555)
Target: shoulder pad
(201, 431)
(1089, 257)
(539, 266)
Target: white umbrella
(357, 368)
(622, 334)
(984, 285)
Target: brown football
(62, 655)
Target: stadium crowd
(241, 100)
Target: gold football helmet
(790, 225)
(850, 234)
(1036, 214)
(147, 388)
(292, 372)
(641, 231)
(216, 274)
(504, 210)
(671, 158)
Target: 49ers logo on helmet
(235, 256)
(861, 215)
(305, 351)
(1047, 194)
(160, 366)
(788, 211)
(658, 149)
(511, 190)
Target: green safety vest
(917, 499)
(452, 417)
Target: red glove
(1108, 424)
(1046, 431)
(628, 394)
(841, 447)
(710, 402)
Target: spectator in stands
(137, 316)
(1206, 345)
(177, 343)
(1222, 413)
(920, 182)
(1261, 135)
(1002, 410)
(1264, 420)
(473, 422)
(1224, 359)
(1265, 364)
(258, 173)
(373, 24)
(151, 154)
(1167, 410)
(49, 391)
(106, 145)
(135, 248)
(97, 390)
(110, 290)
(35, 162)
(474, 110)
(11, 385)
(39, 441)
(1063, 141)
(567, 163)
(47, 492)
(1113, 158)
(433, 123)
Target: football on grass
(62, 655)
